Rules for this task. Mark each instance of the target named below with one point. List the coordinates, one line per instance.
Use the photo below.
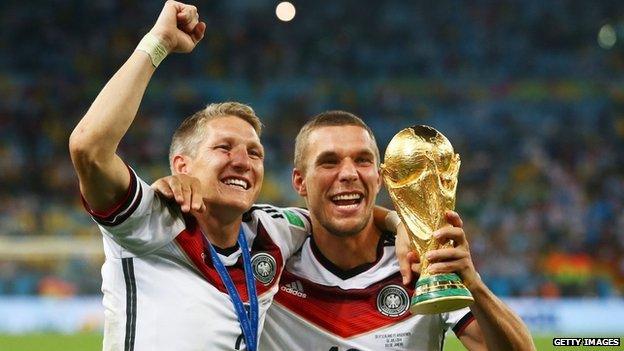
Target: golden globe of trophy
(420, 171)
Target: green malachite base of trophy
(440, 293)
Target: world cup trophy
(420, 172)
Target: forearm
(93, 144)
(111, 114)
(103, 176)
(502, 328)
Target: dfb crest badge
(264, 267)
(392, 301)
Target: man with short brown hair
(344, 290)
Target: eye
(255, 154)
(364, 160)
(328, 162)
(224, 147)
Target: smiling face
(228, 162)
(339, 178)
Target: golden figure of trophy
(420, 171)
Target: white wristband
(392, 220)
(154, 48)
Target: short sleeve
(141, 222)
(299, 226)
(457, 320)
(288, 227)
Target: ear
(379, 179)
(181, 164)
(298, 182)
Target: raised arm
(103, 176)
(497, 327)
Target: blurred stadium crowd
(531, 101)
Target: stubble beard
(334, 227)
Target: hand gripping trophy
(420, 171)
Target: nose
(348, 171)
(239, 158)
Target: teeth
(237, 182)
(346, 197)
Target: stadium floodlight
(607, 36)
(285, 11)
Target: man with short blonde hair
(191, 131)
(174, 281)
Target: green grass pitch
(93, 342)
(51, 342)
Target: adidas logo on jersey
(294, 288)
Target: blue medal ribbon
(248, 322)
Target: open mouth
(347, 199)
(236, 182)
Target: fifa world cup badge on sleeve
(420, 172)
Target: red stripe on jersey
(116, 208)
(345, 313)
(191, 241)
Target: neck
(347, 252)
(221, 229)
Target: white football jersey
(321, 307)
(161, 290)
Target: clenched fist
(178, 27)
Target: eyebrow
(232, 139)
(330, 154)
(324, 156)
(366, 153)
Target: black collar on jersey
(349, 273)
(227, 251)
